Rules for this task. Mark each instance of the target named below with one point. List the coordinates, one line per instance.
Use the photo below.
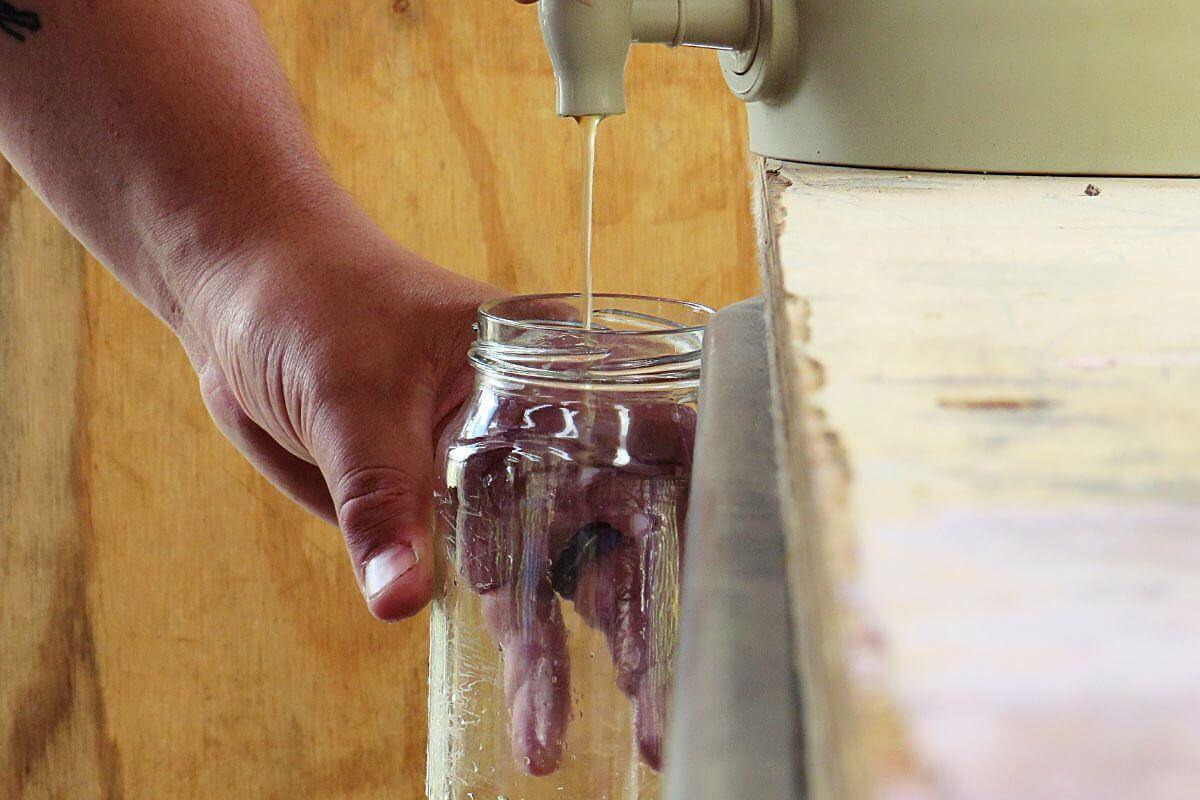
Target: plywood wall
(169, 625)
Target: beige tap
(589, 41)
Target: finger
(653, 438)
(486, 493)
(298, 479)
(504, 522)
(376, 453)
(631, 593)
(617, 596)
(608, 597)
(527, 624)
(650, 716)
(662, 434)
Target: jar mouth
(650, 315)
(634, 342)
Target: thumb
(378, 462)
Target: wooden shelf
(990, 390)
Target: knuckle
(224, 407)
(372, 503)
(213, 388)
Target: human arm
(164, 135)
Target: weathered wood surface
(991, 388)
(736, 724)
(169, 625)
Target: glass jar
(561, 498)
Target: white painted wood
(992, 394)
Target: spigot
(589, 41)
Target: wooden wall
(170, 627)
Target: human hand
(606, 539)
(330, 356)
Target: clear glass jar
(561, 499)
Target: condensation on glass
(561, 497)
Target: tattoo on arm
(16, 22)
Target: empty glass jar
(561, 499)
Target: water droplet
(527, 761)
(591, 655)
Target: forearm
(162, 132)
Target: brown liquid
(587, 148)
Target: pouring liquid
(588, 126)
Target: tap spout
(589, 41)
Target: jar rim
(636, 342)
(489, 311)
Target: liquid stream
(588, 126)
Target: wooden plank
(736, 726)
(169, 625)
(55, 740)
(990, 387)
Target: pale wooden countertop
(992, 403)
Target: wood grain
(169, 625)
(54, 733)
(990, 387)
